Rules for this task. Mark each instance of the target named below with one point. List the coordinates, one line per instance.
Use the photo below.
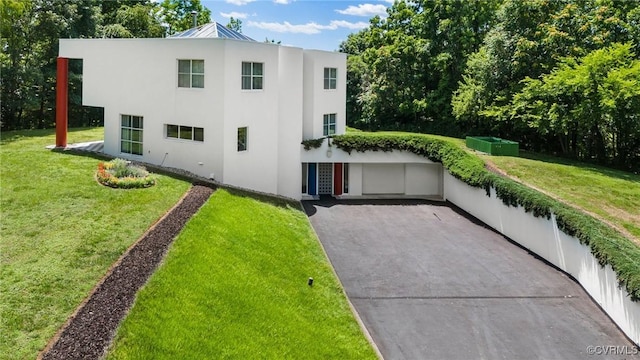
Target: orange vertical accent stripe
(337, 179)
(62, 101)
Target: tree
(235, 24)
(530, 38)
(589, 105)
(29, 62)
(177, 14)
(411, 62)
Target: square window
(242, 139)
(330, 78)
(252, 76)
(186, 132)
(198, 134)
(172, 131)
(329, 124)
(191, 73)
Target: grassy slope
(234, 285)
(612, 195)
(60, 231)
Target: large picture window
(252, 76)
(329, 124)
(131, 134)
(191, 73)
(330, 78)
(185, 132)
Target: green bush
(606, 244)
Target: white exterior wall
(390, 173)
(257, 167)
(543, 237)
(139, 77)
(318, 100)
(290, 122)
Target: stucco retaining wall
(542, 236)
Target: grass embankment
(60, 232)
(607, 245)
(612, 195)
(234, 285)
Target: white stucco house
(221, 105)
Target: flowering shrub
(119, 173)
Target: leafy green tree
(137, 21)
(410, 63)
(529, 39)
(589, 105)
(29, 62)
(235, 24)
(178, 14)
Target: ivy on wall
(606, 244)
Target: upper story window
(329, 124)
(191, 73)
(330, 78)
(252, 75)
(185, 132)
(131, 134)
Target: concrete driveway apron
(429, 282)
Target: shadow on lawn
(598, 169)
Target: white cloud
(308, 28)
(239, 2)
(282, 2)
(367, 10)
(235, 15)
(349, 25)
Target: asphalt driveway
(429, 282)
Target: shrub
(120, 173)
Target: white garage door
(382, 179)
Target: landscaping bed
(90, 330)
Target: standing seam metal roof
(212, 30)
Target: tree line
(558, 76)
(30, 30)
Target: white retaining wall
(543, 237)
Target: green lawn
(234, 285)
(59, 233)
(611, 194)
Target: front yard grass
(59, 232)
(234, 285)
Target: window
(252, 76)
(185, 132)
(330, 78)
(191, 73)
(329, 124)
(131, 134)
(345, 182)
(242, 139)
(304, 177)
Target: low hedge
(606, 244)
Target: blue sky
(308, 24)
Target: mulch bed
(89, 332)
